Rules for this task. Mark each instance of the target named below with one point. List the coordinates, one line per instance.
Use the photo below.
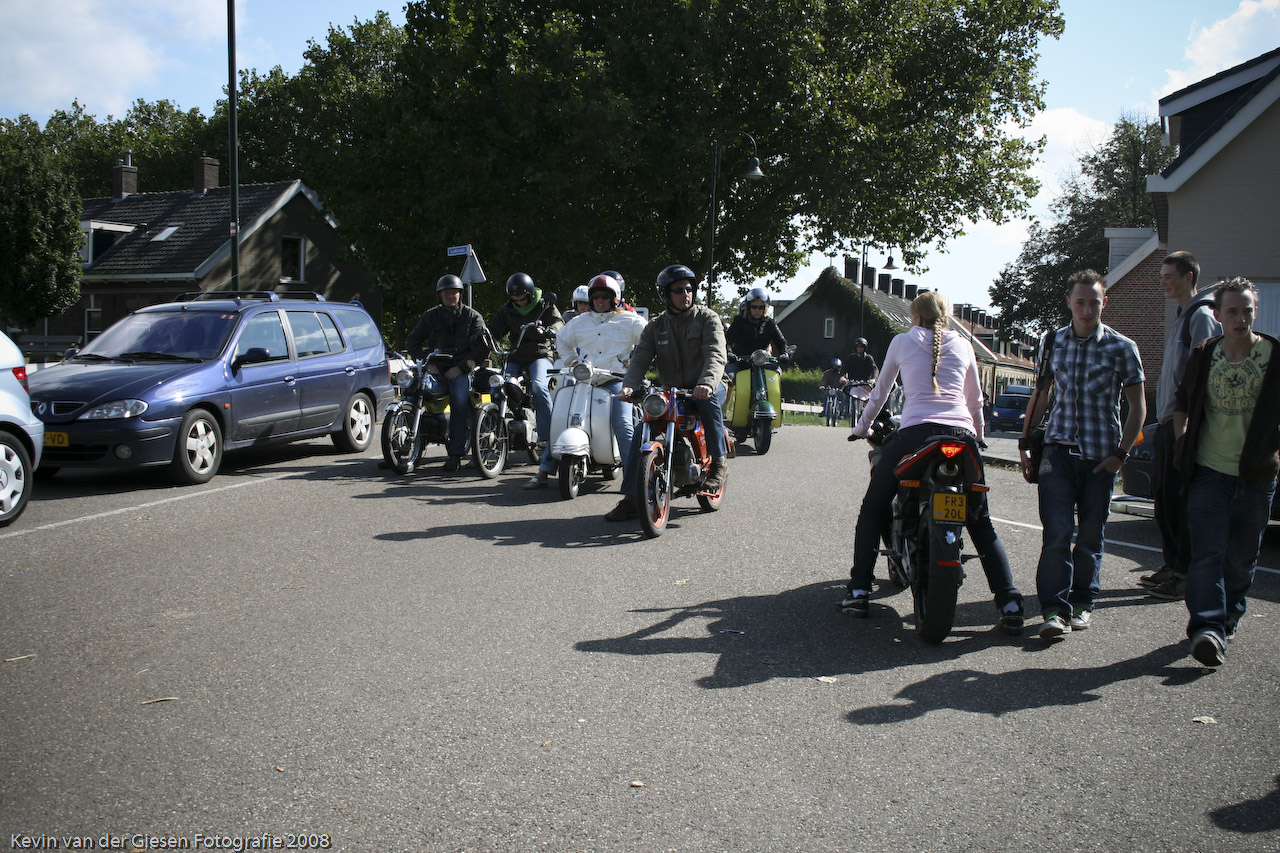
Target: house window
(92, 323)
(829, 327)
(293, 254)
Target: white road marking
(147, 505)
(1122, 544)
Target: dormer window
(99, 237)
(293, 259)
(165, 234)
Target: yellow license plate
(948, 507)
(57, 439)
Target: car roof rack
(238, 295)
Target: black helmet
(617, 276)
(672, 274)
(860, 342)
(518, 284)
(756, 293)
(448, 282)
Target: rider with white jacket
(605, 337)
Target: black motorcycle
(420, 416)
(506, 422)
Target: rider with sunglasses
(754, 329)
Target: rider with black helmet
(861, 365)
(535, 352)
(754, 329)
(456, 329)
(686, 342)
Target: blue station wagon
(179, 383)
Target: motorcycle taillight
(951, 449)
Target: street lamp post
(753, 173)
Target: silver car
(21, 434)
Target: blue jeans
(1069, 577)
(1227, 523)
(459, 414)
(710, 412)
(540, 389)
(876, 516)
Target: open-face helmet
(607, 282)
(756, 293)
(520, 283)
(617, 276)
(836, 363)
(860, 342)
(448, 282)
(673, 274)
(580, 294)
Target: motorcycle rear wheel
(573, 473)
(936, 590)
(399, 451)
(653, 497)
(490, 442)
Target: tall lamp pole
(234, 225)
(753, 173)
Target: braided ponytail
(930, 310)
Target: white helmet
(606, 282)
(580, 294)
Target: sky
(1116, 57)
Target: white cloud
(1253, 29)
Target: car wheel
(15, 478)
(357, 426)
(198, 453)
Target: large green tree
(40, 236)
(562, 138)
(1108, 191)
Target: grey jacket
(1194, 325)
(688, 348)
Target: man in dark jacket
(686, 342)
(458, 330)
(1227, 420)
(533, 349)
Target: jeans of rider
(710, 412)
(876, 516)
(1068, 577)
(459, 414)
(539, 388)
(1229, 521)
(1168, 488)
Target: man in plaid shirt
(1090, 366)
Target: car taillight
(20, 374)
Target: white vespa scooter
(583, 441)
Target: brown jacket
(688, 348)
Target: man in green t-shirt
(1227, 413)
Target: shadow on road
(1260, 815)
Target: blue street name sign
(458, 251)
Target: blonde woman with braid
(941, 397)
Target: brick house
(1136, 307)
(146, 248)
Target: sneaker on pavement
(1012, 621)
(1054, 626)
(1157, 577)
(535, 483)
(1232, 625)
(1207, 648)
(452, 463)
(1174, 589)
(857, 602)
(1080, 618)
(625, 509)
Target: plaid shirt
(1088, 375)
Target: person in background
(458, 330)
(830, 384)
(1227, 417)
(1091, 367)
(940, 379)
(581, 304)
(1195, 323)
(531, 323)
(754, 329)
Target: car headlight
(655, 405)
(582, 372)
(115, 410)
(404, 378)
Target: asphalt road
(310, 645)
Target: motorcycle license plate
(948, 507)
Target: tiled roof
(201, 228)
(1189, 147)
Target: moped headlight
(495, 380)
(115, 410)
(404, 377)
(582, 372)
(759, 358)
(654, 406)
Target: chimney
(206, 174)
(967, 314)
(851, 268)
(897, 285)
(124, 177)
(910, 292)
(882, 282)
(869, 277)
